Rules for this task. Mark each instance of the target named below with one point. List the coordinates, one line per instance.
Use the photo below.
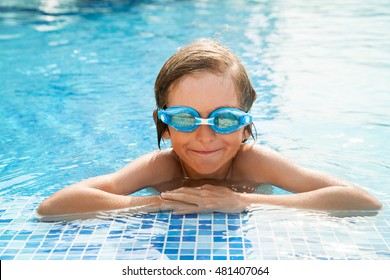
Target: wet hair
(200, 57)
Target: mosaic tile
(214, 236)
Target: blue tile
(176, 217)
(219, 239)
(32, 245)
(53, 237)
(59, 251)
(205, 227)
(235, 252)
(233, 216)
(186, 257)
(235, 239)
(76, 249)
(22, 232)
(176, 222)
(6, 257)
(203, 251)
(146, 226)
(159, 245)
(69, 238)
(203, 257)
(55, 232)
(173, 239)
(11, 252)
(189, 238)
(163, 216)
(175, 227)
(187, 251)
(159, 238)
(235, 245)
(186, 226)
(172, 245)
(44, 251)
(102, 226)
(219, 258)
(114, 237)
(149, 216)
(171, 251)
(220, 216)
(174, 233)
(6, 237)
(89, 257)
(236, 257)
(172, 257)
(132, 227)
(191, 216)
(189, 232)
(219, 252)
(233, 227)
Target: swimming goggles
(222, 120)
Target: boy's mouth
(205, 152)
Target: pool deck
(278, 234)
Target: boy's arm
(108, 192)
(311, 189)
(336, 198)
(209, 198)
(92, 195)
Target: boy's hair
(202, 56)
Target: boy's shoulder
(168, 154)
(164, 158)
(255, 152)
(163, 165)
(249, 149)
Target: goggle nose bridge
(201, 121)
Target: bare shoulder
(253, 162)
(257, 154)
(264, 165)
(149, 169)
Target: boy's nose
(205, 134)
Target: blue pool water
(76, 99)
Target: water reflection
(306, 234)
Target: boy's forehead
(205, 90)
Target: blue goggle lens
(226, 120)
(182, 120)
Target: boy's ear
(246, 134)
(155, 116)
(166, 134)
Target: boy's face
(205, 153)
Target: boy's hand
(207, 198)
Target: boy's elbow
(376, 204)
(45, 208)
(373, 203)
(366, 201)
(370, 203)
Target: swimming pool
(77, 96)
